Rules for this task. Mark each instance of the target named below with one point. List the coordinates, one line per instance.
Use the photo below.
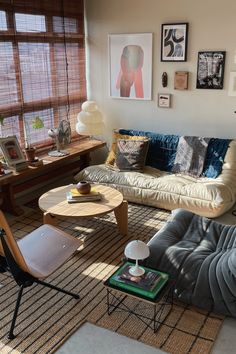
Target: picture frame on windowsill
(12, 152)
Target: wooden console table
(52, 167)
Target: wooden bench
(51, 168)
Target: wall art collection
(130, 64)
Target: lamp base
(57, 153)
(136, 271)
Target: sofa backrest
(162, 151)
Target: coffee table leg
(121, 214)
(49, 219)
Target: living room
(191, 111)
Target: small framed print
(174, 37)
(11, 150)
(164, 100)
(181, 80)
(232, 84)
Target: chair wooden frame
(17, 256)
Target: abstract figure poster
(210, 70)
(130, 64)
(174, 42)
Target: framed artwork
(11, 150)
(164, 100)
(210, 70)
(181, 80)
(232, 84)
(130, 66)
(174, 39)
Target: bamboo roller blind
(42, 66)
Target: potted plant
(30, 151)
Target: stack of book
(149, 284)
(74, 196)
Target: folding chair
(34, 257)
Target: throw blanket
(190, 156)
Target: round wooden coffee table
(54, 203)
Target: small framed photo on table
(164, 100)
(11, 150)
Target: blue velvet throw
(215, 155)
(162, 151)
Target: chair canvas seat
(47, 248)
(34, 257)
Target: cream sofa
(210, 197)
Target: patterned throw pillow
(116, 135)
(131, 154)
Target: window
(42, 66)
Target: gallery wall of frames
(130, 65)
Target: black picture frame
(210, 70)
(174, 40)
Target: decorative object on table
(62, 137)
(30, 154)
(174, 37)
(4, 171)
(12, 153)
(137, 250)
(130, 61)
(210, 70)
(164, 100)
(148, 284)
(232, 84)
(181, 80)
(164, 79)
(30, 124)
(89, 119)
(83, 187)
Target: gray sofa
(200, 254)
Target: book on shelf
(149, 284)
(20, 166)
(74, 196)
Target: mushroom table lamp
(137, 250)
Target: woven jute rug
(47, 318)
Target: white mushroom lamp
(137, 250)
(89, 119)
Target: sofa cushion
(209, 197)
(131, 154)
(116, 135)
(201, 255)
(190, 155)
(215, 156)
(162, 152)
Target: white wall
(212, 26)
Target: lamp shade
(89, 119)
(137, 250)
